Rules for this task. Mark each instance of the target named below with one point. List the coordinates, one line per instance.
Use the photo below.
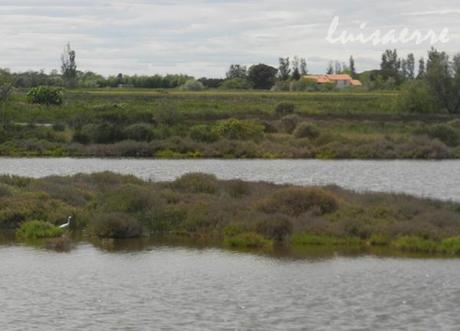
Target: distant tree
(237, 71)
(303, 67)
(284, 68)
(352, 67)
(391, 65)
(438, 77)
(296, 68)
(212, 82)
(262, 76)
(330, 68)
(338, 69)
(6, 88)
(421, 68)
(404, 71)
(410, 66)
(69, 66)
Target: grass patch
(38, 230)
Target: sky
(203, 37)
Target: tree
(284, 69)
(410, 66)
(303, 67)
(338, 67)
(404, 71)
(330, 68)
(352, 67)
(237, 71)
(6, 88)
(390, 65)
(439, 78)
(421, 68)
(295, 68)
(69, 66)
(262, 76)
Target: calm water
(167, 288)
(435, 179)
(188, 289)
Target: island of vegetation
(258, 112)
(233, 214)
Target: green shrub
(203, 133)
(233, 230)
(38, 229)
(445, 133)
(5, 190)
(116, 225)
(59, 127)
(306, 130)
(289, 123)
(285, 108)
(45, 95)
(138, 132)
(248, 240)
(295, 201)
(450, 246)
(192, 85)
(379, 240)
(165, 220)
(275, 228)
(416, 97)
(235, 84)
(237, 188)
(196, 183)
(305, 239)
(415, 244)
(239, 129)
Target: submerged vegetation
(233, 213)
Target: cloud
(203, 37)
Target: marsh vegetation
(233, 213)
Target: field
(220, 124)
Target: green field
(221, 124)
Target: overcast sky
(203, 37)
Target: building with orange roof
(341, 80)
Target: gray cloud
(202, 37)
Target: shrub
(235, 84)
(415, 97)
(239, 129)
(289, 123)
(38, 229)
(276, 228)
(285, 108)
(451, 246)
(304, 239)
(138, 132)
(203, 133)
(306, 130)
(116, 225)
(237, 188)
(415, 244)
(379, 240)
(45, 95)
(5, 190)
(445, 133)
(192, 85)
(248, 240)
(196, 183)
(296, 201)
(59, 127)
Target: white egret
(66, 225)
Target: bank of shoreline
(233, 214)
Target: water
(188, 289)
(174, 288)
(434, 179)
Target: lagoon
(434, 179)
